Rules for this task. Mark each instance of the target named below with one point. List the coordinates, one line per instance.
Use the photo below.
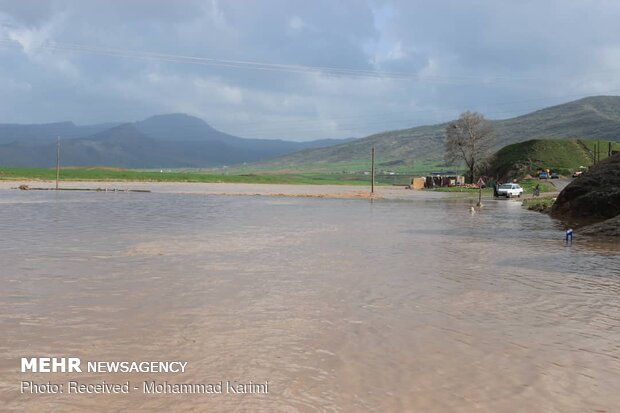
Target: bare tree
(469, 139)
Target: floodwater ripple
(342, 305)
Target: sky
(301, 70)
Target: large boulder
(594, 196)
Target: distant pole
(372, 172)
(609, 149)
(594, 154)
(598, 151)
(57, 162)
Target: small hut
(443, 180)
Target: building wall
(417, 183)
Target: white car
(509, 190)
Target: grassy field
(563, 156)
(411, 167)
(114, 174)
(528, 186)
(132, 175)
(539, 204)
(590, 146)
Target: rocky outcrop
(592, 197)
(608, 228)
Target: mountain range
(179, 140)
(162, 141)
(596, 117)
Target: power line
(256, 65)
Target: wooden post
(57, 162)
(372, 172)
(609, 149)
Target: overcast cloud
(502, 58)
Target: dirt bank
(232, 189)
(593, 200)
(608, 228)
(594, 196)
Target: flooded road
(340, 305)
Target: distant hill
(178, 127)
(593, 117)
(47, 132)
(179, 140)
(162, 141)
(596, 117)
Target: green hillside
(413, 149)
(564, 156)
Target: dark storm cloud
(499, 57)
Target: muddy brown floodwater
(340, 305)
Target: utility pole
(57, 162)
(372, 172)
